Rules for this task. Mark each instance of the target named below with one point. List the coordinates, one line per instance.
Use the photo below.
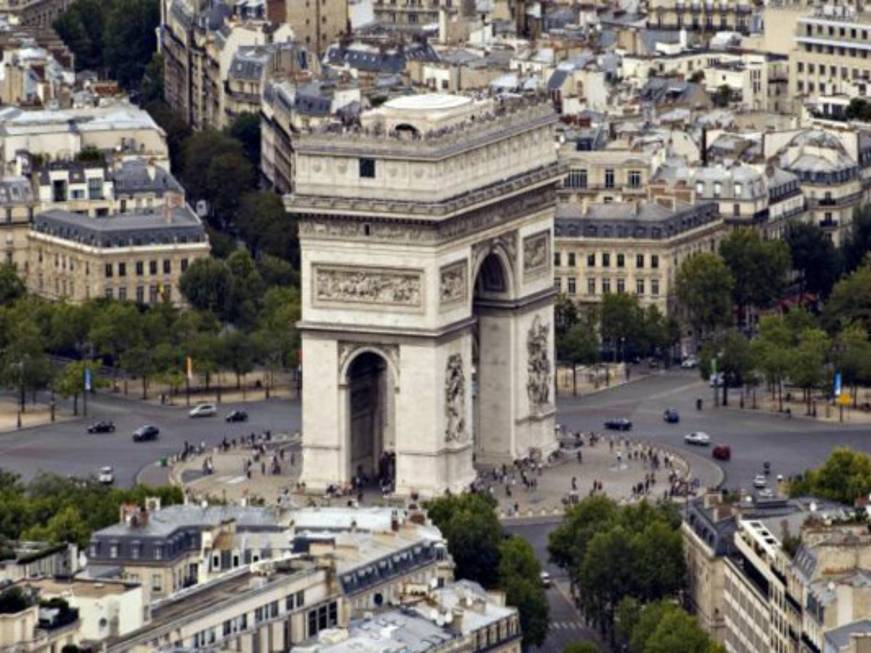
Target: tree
(206, 285)
(858, 109)
(606, 573)
(723, 96)
(734, 359)
(174, 125)
(579, 346)
(267, 228)
(620, 318)
(565, 313)
(151, 86)
(807, 366)
(814, 257)
(759, 268)
(844, 477)
(70, 382)
(771, 353)
(228, 176)
(24, 364)
(11, 285)
(473, 533)
(704, 290)
(130, 39)
(276, 336)
(198, 152)
(14, 599)
(246, 290)
(852, 357)
(850, 301)
(858, 242)
(66, 525)
(115, 330)
(236, 351)
(81, 28)
(246, 130)
(519, 578)
(678, 632)
(646, 622)
(567, 543)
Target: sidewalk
(620, 465)
(36, 414)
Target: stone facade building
(701, 15)
(427, 291)
(630, 248)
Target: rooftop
(78, 587)
(394, 630)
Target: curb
(613, 386)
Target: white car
(106, 476)
(716, 380)
(765, 493)
(690, 362)
(545, 579)
(697, 437)
(760, 481)
(203, 410)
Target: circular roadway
(791, 445)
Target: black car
(103, 426)
(671, 416)
(237, 416)
(621, 424)
(145, 433)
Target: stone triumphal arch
(427, 294)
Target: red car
(722, 452)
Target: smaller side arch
(349, 352)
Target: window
(639, 260)
(122, 269)
(184, 264)
(367, 168)
(634, 179)
(95, 188)
(621, 286)
(273, 610)
(591, 286)
(326, 616)
(152, 294)
(558, 284)
(572, 287)
(591, 260)
(300, 598)
(639, 287)
(571, 259)
(152, 267)
(621, 261)
(654, 287)
(113, 550)
(577, 179)
(606, 260)
(167, 266)
(609, 178)
(140, 294)
(158, 553)
(606, 286)
(122, 293)
(736, 210)
(654, 261)
(556, 259)
(108, 270)
(718, 188)
(156, 583)
(108, 293)
(139, 268)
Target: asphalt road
(791, 445)
(566, 624)
(66, 447)
(755, 436)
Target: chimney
(457, 620)
(705, 147)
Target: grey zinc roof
(557, 79)
(15, 190)
(392, 631)
(649, 220)
(248, 63)
(135, 176)
(171, 518)
(124, 230)
(837, 640)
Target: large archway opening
(491, 362)
(371, 427)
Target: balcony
(828, 224)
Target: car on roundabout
(106, 475)
(760, 481)
(671, 416)
(237, 416)
(618, 424)
(203, 410)
(103, 426)
(146, 433)
(698, 438)
(722, 452)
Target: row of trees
(627, 567)
(116, 38)
(57, 509)
(484, 553)
(155, 341)
(844, 477)
(799, 348)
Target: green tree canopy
(814, 257)
(850, 301)
(246, 130)
(519, 578)
(704, 291)
(844, 477)
(759, 267)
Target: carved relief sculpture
(361, 285)
(536, 254)
(538, 363)
(455, 400)
(453, 286)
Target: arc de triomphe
(427, 291)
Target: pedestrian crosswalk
(567, 625)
